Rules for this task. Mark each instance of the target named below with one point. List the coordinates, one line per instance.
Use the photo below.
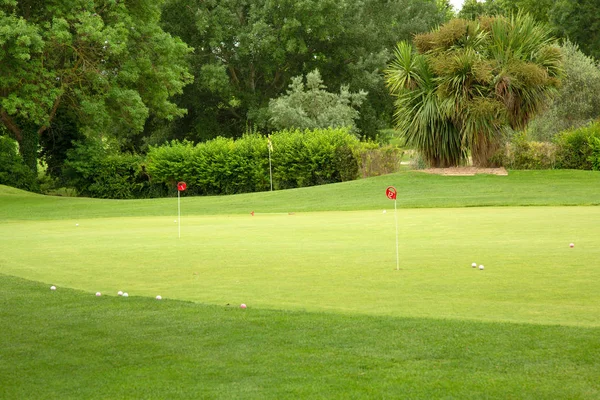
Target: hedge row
(227, 166)
(572, 149)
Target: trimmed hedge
(227, 166)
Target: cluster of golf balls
(123, 294)
(474, 265)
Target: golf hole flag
(391, 193)
(181, 186)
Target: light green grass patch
(334, 261)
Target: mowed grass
(70, 345)
(415, 190)
(334, 261)
(328, 315)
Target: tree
(467, 80)
(579, 21)
(578, 100)
(310, 106)
(247, 51)
(106, 61)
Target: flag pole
(392, 194)
(397, 254)
(270, 146)
(181, 186)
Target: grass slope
(72, 345)
(416, 189)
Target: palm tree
(468, 81)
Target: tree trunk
(482, 151)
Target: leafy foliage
(13, 171)
(467, 81)
(227, 166)
(578, 100)
(97, 169)
(310, 106)
(247, 51)
(577, 147)
(578, 21)
(522, 153)
(108, 61)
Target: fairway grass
(329, 316)
(334, 261)
(72, 345)
(415, 190)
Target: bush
(13, 171)
(595, 157)
(576, 147)
(313, 157)
(521, 153)
(225, 166)
(375, 160)
(97, 169)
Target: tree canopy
(247, 51)
(462, 83)
(106, 60)
(311, 106)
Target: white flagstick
(270, 171)
(392, 194)
(270, 147)
(179, 213)
(397, 255)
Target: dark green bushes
(576, 148)
(97, 170)
(225, 166)
(13, 171)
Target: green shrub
(375, 160)
(313, 157)
(225, 166)
(13, 171)
(521, 153)
(96, 169)
(575, 147)
(595, 157)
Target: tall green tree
(107, 61)
(311, 106)
(578, 100)
(579, 21)
(465, 81)
(247, 51)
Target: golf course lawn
(329, 314)
(334, 261)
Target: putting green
(334, 261)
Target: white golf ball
(158, 297)
(474, 265)
(98, 294)
(481, 267)
(52, 287)
(120, 293)
(175, 221)
(384, 211)
(76, 224)
(125, 294)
